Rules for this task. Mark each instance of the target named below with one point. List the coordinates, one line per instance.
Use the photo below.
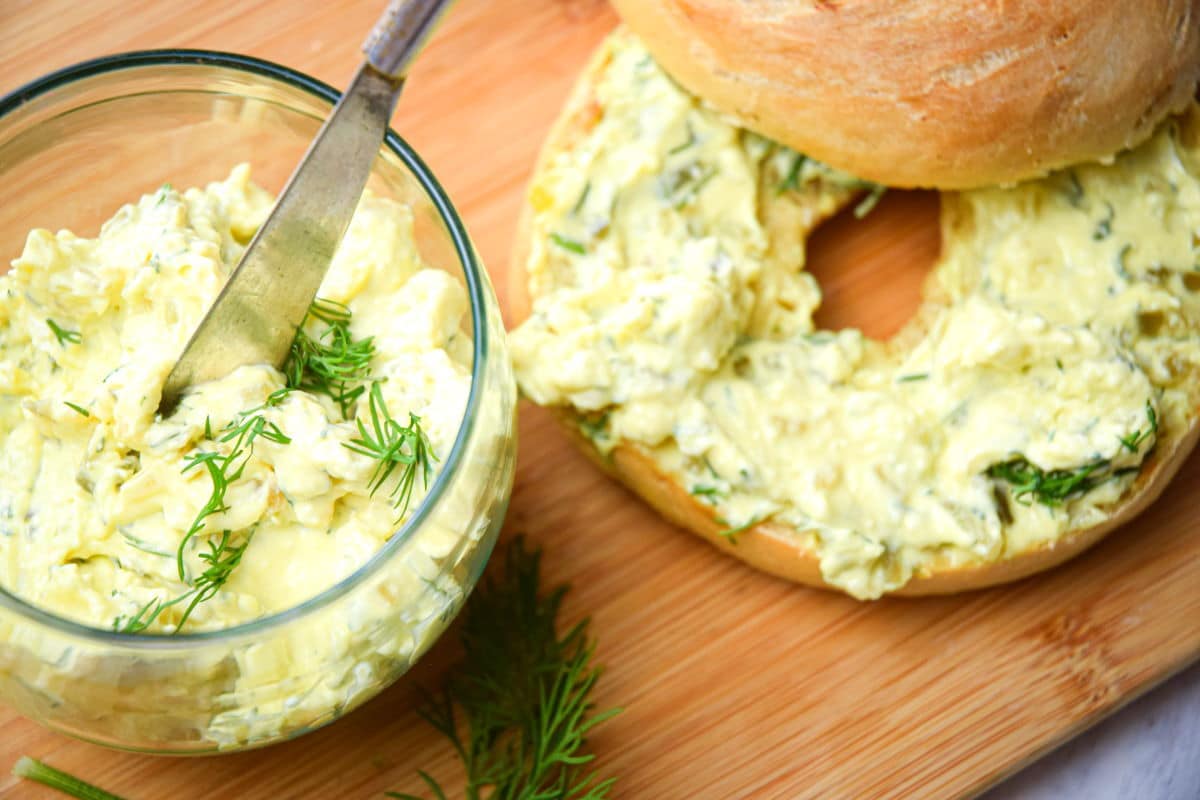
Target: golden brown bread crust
(922, 93)
(769, 546)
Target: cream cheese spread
(96, 495)
(671, 310)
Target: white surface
(1149, 750)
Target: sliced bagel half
(795, 551)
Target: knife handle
(400, 33)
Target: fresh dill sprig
(34, 770)
(393, 445)
(1051, 488)
(222, 557)
(1133, 441)
(63, 335)
(224, 470)
(333, 363)
(518, 709)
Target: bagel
(1044, 393)
(942, 95)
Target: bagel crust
(1136, 320)
(920, 93)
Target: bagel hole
(871, 270)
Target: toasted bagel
(914, 93)
(785, 550)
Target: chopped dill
(144, 546)
(732, 533)
(1133, 441)
(1074, 189)
(583, 196)
(594, 428)
(683, 186)
(1104, 227)
(689, 142)
(791, 182)
(63, 335)
(1120, 264)
(868, 203)
(916, 376)
(570, 245)
(77, 409)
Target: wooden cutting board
(734, 684)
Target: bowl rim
(472, 271)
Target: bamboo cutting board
(734, 684)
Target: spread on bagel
(1053, 359)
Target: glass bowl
(74, 147)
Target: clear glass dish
(74, 147)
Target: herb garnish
(583, 196)
(222, 557)
(732, 533)
(1133, 441)
(916, 376)
(1052, 487)
(595, 427)
(77, 409)
(334, 363)
(161, 195)
(394, 445)
(791, 183)
(570, 245)
(691, 140)
(63, 335)
(682, 186)
(868, 203)
(221, 469)
(34, 770)
(524, 694)
(1104, 227)
(1074, 189)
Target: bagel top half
(934, 93)
(1045, 392)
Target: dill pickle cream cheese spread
(264, 487)
(670, 310)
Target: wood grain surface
(734, 684)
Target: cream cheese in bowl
(286, 542)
